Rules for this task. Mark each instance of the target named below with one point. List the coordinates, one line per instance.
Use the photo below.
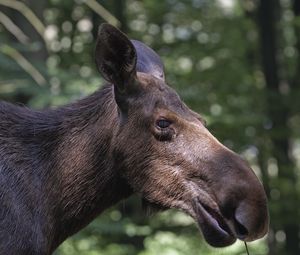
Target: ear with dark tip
(115, 57)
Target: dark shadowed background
(236, 62)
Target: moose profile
(60, 168)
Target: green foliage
(212, 57)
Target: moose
(60, 168)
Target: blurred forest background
(236, 62)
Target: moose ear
(115, 57)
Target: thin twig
(13, 29)
(246, 248)
(9, 86)
(24, 63)
(102, 12)
(28, 14)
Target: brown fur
(61, 168)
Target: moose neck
(88, 179)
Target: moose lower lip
(214, 229)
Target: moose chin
(60, 168)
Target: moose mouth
(215, 230)
(213, 226)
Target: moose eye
(163, 123)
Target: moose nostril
(250, 223)
(240, 229)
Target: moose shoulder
(61, 168)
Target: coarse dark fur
(54, 166)
(60, 168)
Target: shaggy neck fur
(62, 166)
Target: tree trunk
(278, 113)
(296, 9)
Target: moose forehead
(158, 96)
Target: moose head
(60, 168)
(165, 152)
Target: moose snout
(242, 199)
(248, 214)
